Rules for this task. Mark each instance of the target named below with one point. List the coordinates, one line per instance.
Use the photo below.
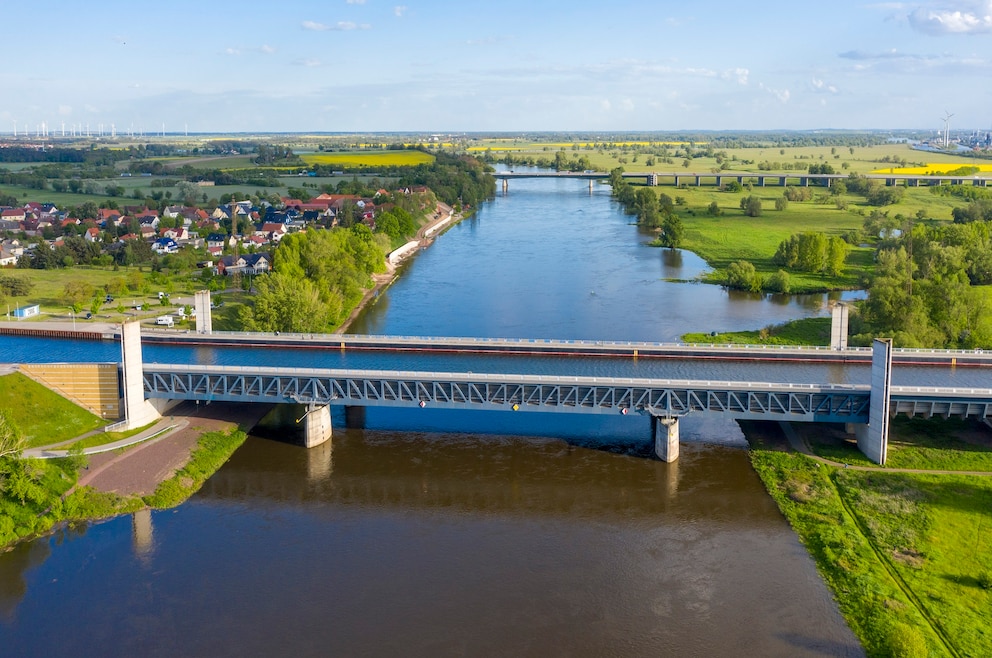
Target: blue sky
(513, 65)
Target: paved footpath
(160, 429)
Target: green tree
(672, 231)
(11, 438)
(287, 303)
(779, 282)
(741, 275)
(751, 205)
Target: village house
(165, 246)
(92, 235)
(245, 264)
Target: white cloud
(232, 51)
(356, 2)
(340, 26)
(782, 95)
(820, 85)
(605, 105)
(739, 74)
(267, 49)
(307, 61)
(399, 11)
(963, 17)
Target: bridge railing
(551, 342)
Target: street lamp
(72, 315)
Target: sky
(507, 65)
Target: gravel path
(140, 469)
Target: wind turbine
(947, 137)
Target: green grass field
(22, 397)
(908, 556)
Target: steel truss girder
(518, 392)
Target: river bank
(160, 467)
(424, 237)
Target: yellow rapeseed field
(934, 168)
(534, 146)
(369, 159)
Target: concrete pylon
(138, 411)
(201, 304)
(316, 425)
(875, 442)
(666, 437)
(838, 326)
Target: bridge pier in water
(666, 437)
(316, 425)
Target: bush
(751, 205)
(778, 282)
(904, 641)
(742, 276)
(781, 203)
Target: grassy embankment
(908, 556)
(33, 492)
(43, 416)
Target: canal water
(527, 535)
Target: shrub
(742, 276)
(906, 642)
(778, 282)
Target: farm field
(348, 159)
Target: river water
(528, 535)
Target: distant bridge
(697, 179)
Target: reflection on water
(424, 544)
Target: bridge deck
(800, 402)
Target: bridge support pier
(354, 417)
(666, 437)
(137, 410)
(873, 438)
(838, 326)
(506, 185)
(201, 304)
(316, 425)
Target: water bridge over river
(698, 179)
(149, 388)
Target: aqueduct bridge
(697, 179)
(865, 406)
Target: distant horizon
(481, 133)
